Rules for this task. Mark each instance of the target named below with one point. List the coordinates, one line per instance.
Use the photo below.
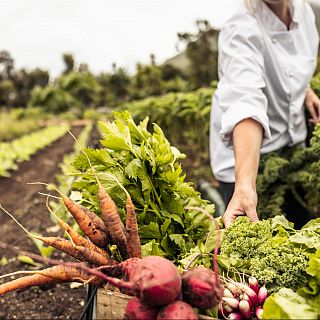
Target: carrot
(97, 221)
(114, 226)
(56, 242)
(62, 245)
(133, 240)
(55, 274)
(80, 214)
(94, 257)
(25, 282)
(97, 236)
(76, 237)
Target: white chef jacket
(264, 71)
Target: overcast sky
(99, 32)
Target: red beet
(155, 280)
(122, 269)
(201, 288)
(177, 310)
(136, 310)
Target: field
(153, 151)
(23, 200)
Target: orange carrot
(62, 245)
(97, 221)
(112, 221)
(94, 257)
(133, 240)
(79, 240)
(55, 274)
(97, 236)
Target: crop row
(64, 178)
(184, 117)
(18, 150)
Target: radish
(153, 279)
(233, 289)
(259, 312)
(245, 310)
(227, 293)
(253, 284)
(232, 302)
(234, 316)
(177, 310)
(201, 288)
(262, 295)
(135, 309)
(250, 293)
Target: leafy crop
(271, 250)
(21, 149)
(184, 117)
(297, 171)
(148, 167)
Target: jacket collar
(273, 23)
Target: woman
(267, 56)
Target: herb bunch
(148, 167)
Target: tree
(6, 65)
(7, 93)
(83, 87)
(202, 53)
(119, 83)
(147, 80)
(52, 99)
(68, 60)
(25, 81)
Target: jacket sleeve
(240, 89)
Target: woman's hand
(243, 203)
(312, 103)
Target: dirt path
(24, 202)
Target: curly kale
(293, 173)
(265, 250)
(243, 238)
(279, 263)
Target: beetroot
(201, 288)
(177, 310)
(155, 280)
(122, 269)
(135, 309)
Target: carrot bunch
(92, 248)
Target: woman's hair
(252, 5)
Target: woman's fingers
(313, 106)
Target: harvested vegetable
(136, 310)
(200, 288)
(55, 274)
(266, 250)
(177, 310)
(149, 169)
(133, 239)
(154, 280)
(112, 221)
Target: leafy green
(18, 150)
(148, 167)
(311, 292)
(269, 250)
(294, 172)
(287, 304)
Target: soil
(24, 202)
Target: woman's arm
(247, 138)
(312, 103)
